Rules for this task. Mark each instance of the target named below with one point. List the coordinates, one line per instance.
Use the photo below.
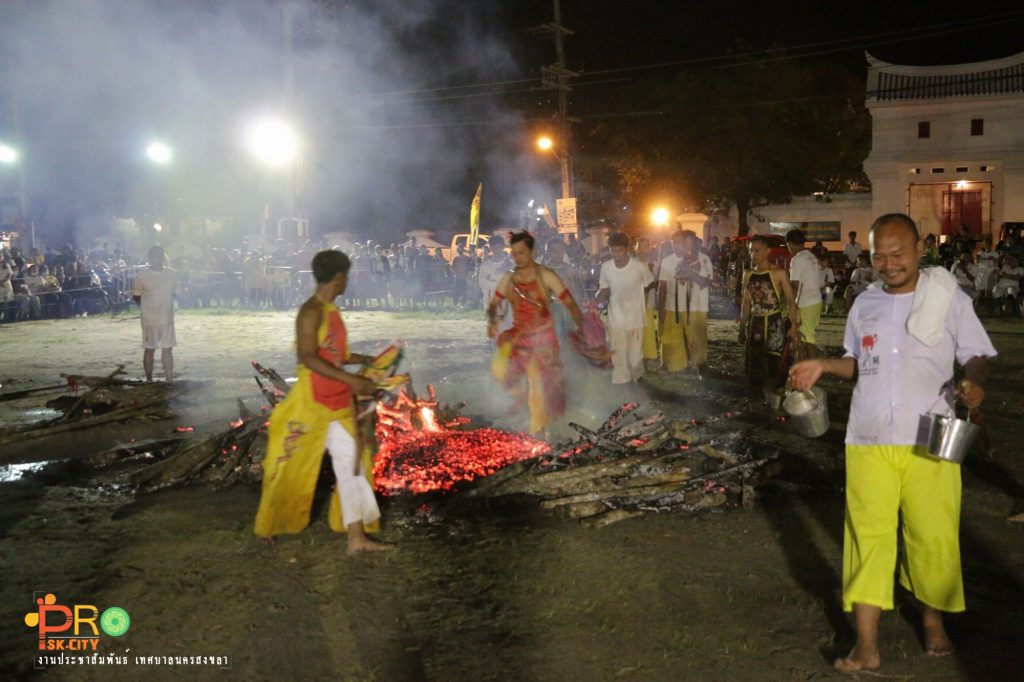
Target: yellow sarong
(884, 482)
(295, 450)
(651, 343)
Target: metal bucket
(950, 438)
(807, 412)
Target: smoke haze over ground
(89, 83)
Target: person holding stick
(902, 341)
(320, 412)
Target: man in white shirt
(828, 283)
(851, 250)
(805, 278)
(967, 275)
(154, 290)
(889, 473)
(492, 269)
(623, 283)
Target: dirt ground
(475, 592)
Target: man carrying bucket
(902, 340)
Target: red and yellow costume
(297, 435)
(530, 349)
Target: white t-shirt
(626, 304)
(803, 268)
(901, 379)
(699, 298)
(156, 287)
(851, 251)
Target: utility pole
(557, 76)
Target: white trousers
(357, 500)
(627, 354)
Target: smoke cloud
(89, 83)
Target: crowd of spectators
(66, 282)
(60, 283)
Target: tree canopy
(759, 129)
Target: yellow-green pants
(887, 485)
(652, 344)
(684, 343)
(810, 316)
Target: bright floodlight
(272, 141)
(659, 216)
(8, 154)
(545, 143)
(157, 227)
(158, 152)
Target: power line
(794, 52)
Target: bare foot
(1016, 518)
(857, 661)
(936, 641)
(365, 544)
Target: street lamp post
(546, 144)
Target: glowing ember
(236, 423)
(185, 429)
(430, 457)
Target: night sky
(404, 104)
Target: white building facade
(948, 144)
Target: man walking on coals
(530, 348)
(320, 412)
(902, 340)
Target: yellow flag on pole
(474, 216)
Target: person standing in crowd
(623, 283)
(805, 279)
(766, 303)
(902, 341)
(462, 268)
(7, 312)
(930, 256)
(646, 254)
(494, 266)
(529, 349)
(1006, 292)
(684, 282)
(828, 282)
(153, 290)
(851, 250)
(319, 413)
(860, 279)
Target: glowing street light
(159, 153)
(545, 143)
(660, 216)
(8, 155)
(272, 141)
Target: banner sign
(814, 231)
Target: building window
(938, 170)
(977, 126)
(924, 129)
(961, 169)
(986, 169)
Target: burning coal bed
(637, 461)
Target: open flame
(427, 417)
(428, 456)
